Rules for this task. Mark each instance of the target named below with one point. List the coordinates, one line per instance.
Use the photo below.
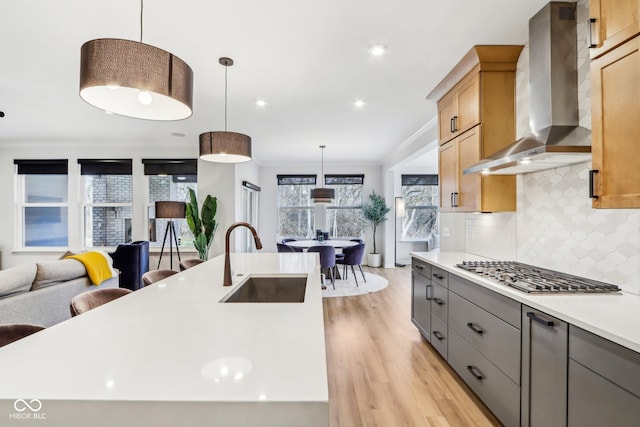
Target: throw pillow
(52, 272)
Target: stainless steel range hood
(557, 140)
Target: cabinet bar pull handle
(592, 193)
(535, 318)
(475, 372)
(438, 335)
(590, 42)
(438, 301)
(429, 292)
(453, 204)
(419, 267)
(438, 276)
(451, 128)
(475, 328)
(455, 123)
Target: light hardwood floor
(383, 373)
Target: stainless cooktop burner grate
(531, 279)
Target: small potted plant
(202, 226)
(375, 213)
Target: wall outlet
(445, 232)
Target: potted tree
(375, 213)
(202, 226)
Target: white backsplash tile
(491, 235)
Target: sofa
(40, 293)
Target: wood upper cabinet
(471, 193)
(612, 22)
(476, 116)
(459, 111)
(615, 98)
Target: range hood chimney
(556, 140)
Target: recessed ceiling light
(109, 112)
(377, 49)
(261, 102)
(359, 103)
(178, 134)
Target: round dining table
(306, 244)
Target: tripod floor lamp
(171, 211)
(400, 212)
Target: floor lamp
(400, 212)
(170, 210)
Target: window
(169, 180)
(43, 203)
(107, 197)
(296, 212)
(344, 214)
(420, 194)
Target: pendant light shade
(134, 79)
(321, 194)
(225, 147)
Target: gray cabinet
(544, 369)
(604, 382)
(421, 297)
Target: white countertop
(613, 316)
(173, 342)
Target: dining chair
(285, 248)
(91, 299)
(16, 331)
(154, 276)
(188, 263)
(352, 256)
(288, 240)
(327, 259)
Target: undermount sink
(283, 288)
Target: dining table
(336, 243)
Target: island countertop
(171, 354)
(613, 316)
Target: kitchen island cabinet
(173, 354)
(615, 178)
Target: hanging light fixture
(321, 194)
(134, 79)
(225, 147)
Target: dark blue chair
(288, 240)
(353, 256)
(285, 248)
(357, 240)
(327, 259)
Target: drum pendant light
(134, 79)
(225, 147)
(320, 194)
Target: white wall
(268, 197)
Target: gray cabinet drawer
(595, 402)
(495, 389)
(499, 305)
(421, 267)
(439, 335)
(614, 362)
(439, 301)
(439, 276)
(420, 305)
(494, 338)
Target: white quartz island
(172, 355)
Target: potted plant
(202, 226)
(375, 213)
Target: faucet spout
(227, 262)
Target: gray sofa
(40, 293)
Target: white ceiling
(308, 60)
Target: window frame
(22, 168)
(335, 180)
(296, 179)
(414, 180)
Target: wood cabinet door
(615, 22)
(616, 127)
(469, 185)
(468, 102)
(446, 112)
(448, 179)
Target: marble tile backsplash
(558, 229)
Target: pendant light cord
(226, 69)
(141, 9)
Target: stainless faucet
(227, 262)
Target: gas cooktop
(531, 279)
